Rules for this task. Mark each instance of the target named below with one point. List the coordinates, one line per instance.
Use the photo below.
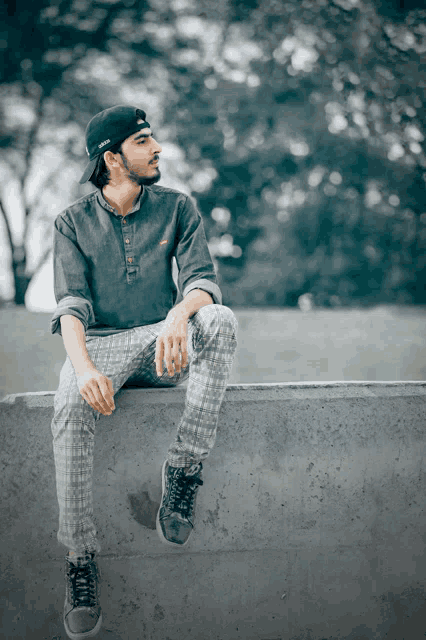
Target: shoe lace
(182, 493)
(83, 581)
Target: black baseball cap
(107, 128)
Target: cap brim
(88, 171)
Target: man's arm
(74, 313)
(194, 262)
(198, 283)
(94, 387)
(71, 273)
(75, 344)
(193, 301)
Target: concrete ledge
(310, 524)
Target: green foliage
(301, 123)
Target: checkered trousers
(129, 357)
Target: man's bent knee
(221, 314)
(225, 318)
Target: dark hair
(101, 175)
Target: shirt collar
(106, 205)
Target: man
(117, 315)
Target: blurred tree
(358, 122)
(40, 43)
(301, 125)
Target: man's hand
(172, 343)
(97, 390)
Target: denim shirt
(114, 273)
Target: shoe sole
(86, 634)
(158, 525)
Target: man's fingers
(96, 398)
(97, 390)
(173, 350)
(105, 409)
(176, 356)
(110, 386)
(159, 354)
(168, 355)
(171, 347)
(90, 399)
(184, 352)
(106, 391)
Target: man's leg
(212, 341)
(73, 429)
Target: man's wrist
(84, 367)
(179, 311)
(193, 301)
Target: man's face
(140, 158)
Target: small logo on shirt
(103, 143)
(164, 242)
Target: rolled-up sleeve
(195, 265)
(71, 286)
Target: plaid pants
(130, 357)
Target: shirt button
(127, 241)
(124, 221)
(129, 259)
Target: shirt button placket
(127, 242)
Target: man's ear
(110, 159)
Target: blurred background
(297, 126)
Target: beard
(136, 178)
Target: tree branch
(8, 230)
(31, 141)
(44, 185)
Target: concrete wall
(310, 524)
(386, 342)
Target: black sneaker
(175, 517)
(82, 611)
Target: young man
(117, 315)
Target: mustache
(155, 159)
